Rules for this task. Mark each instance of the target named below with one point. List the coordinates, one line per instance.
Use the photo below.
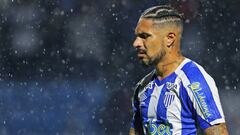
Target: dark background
(68, 66)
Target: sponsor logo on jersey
(158, 129)
(201, 98)
(195, 86)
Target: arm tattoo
(219, 129)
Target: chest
(159, 101)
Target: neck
(168, 65)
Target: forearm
(132, 131)
(219, 129)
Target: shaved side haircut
(164, 14)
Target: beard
(155, 59)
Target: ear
(171, 37)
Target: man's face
(149, 42)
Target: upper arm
(218, 129)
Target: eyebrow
(143, 34)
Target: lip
(141, 52)
(140, 55)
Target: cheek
(153, 51)
(154, 47)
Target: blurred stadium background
(68, 66)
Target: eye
(144, 35)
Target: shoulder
(143, 82)
(203, 94)
(193, 72)
(147, 78)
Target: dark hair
(163, 12)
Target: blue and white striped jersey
(179, 103)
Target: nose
(138, 43)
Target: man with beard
(178, 96)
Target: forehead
(144, 25)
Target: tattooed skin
(219, 129)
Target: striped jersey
(179, 103)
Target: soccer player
(178, 96)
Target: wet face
(149, 42)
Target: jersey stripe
(154, 102)
(187, 113)
(213, 87)
(161, 109)
(175, 104)
(208, 109)
(185, 83)
(145, 97)
(173, 113)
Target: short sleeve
(203, 93)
